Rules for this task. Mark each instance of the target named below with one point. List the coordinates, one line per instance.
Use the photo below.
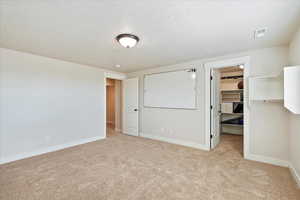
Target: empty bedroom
(150, 100)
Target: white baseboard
(268, 160)
(295, 174)
(277, 162)
(47, 150)
(118, 130)
(175, 141)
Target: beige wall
(294, 129)
(268, 121)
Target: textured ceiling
(170, 31)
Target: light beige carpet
(131, 168)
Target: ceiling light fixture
(127, 40)
(117, 66)
(241, 66)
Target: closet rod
(232, 77)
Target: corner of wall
(293, 120)
(295, 174)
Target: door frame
(220, 64)
(112, 75)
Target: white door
(130, 106)
(215, 111)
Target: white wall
(47, 104)
(294, 129)
(268, 121)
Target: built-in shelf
(232, 102)
(270, 100)
(266, 88)
(232, 77)
(233, 125)
(232, 91)
(229, 96)
(237, 114)
(271, 76)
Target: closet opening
(113, 106)
(227, 107)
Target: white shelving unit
(266, 88)
(231, 94)
(292, 89)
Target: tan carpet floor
(131, 168)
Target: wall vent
(259, 33)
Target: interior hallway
(110, 131)
(134, 168)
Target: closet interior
(232, 100)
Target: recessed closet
(232, 100)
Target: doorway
(121, 106)
(227, 102)
(227, 110)
(113, 106)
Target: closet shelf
(231, 91)
(232, 77)
(233, 101)
(237, 114)
(270, 100)
(233, 125)
(272, 76)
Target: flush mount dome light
(127, 40)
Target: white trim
(104, 106)
(48, 150)
(278, 162)
(295, 174)
(118, 130)
(175, 141)
(220, 64)
(127, 133)
(115, 75)
(268, 160)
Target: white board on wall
(176, 89)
